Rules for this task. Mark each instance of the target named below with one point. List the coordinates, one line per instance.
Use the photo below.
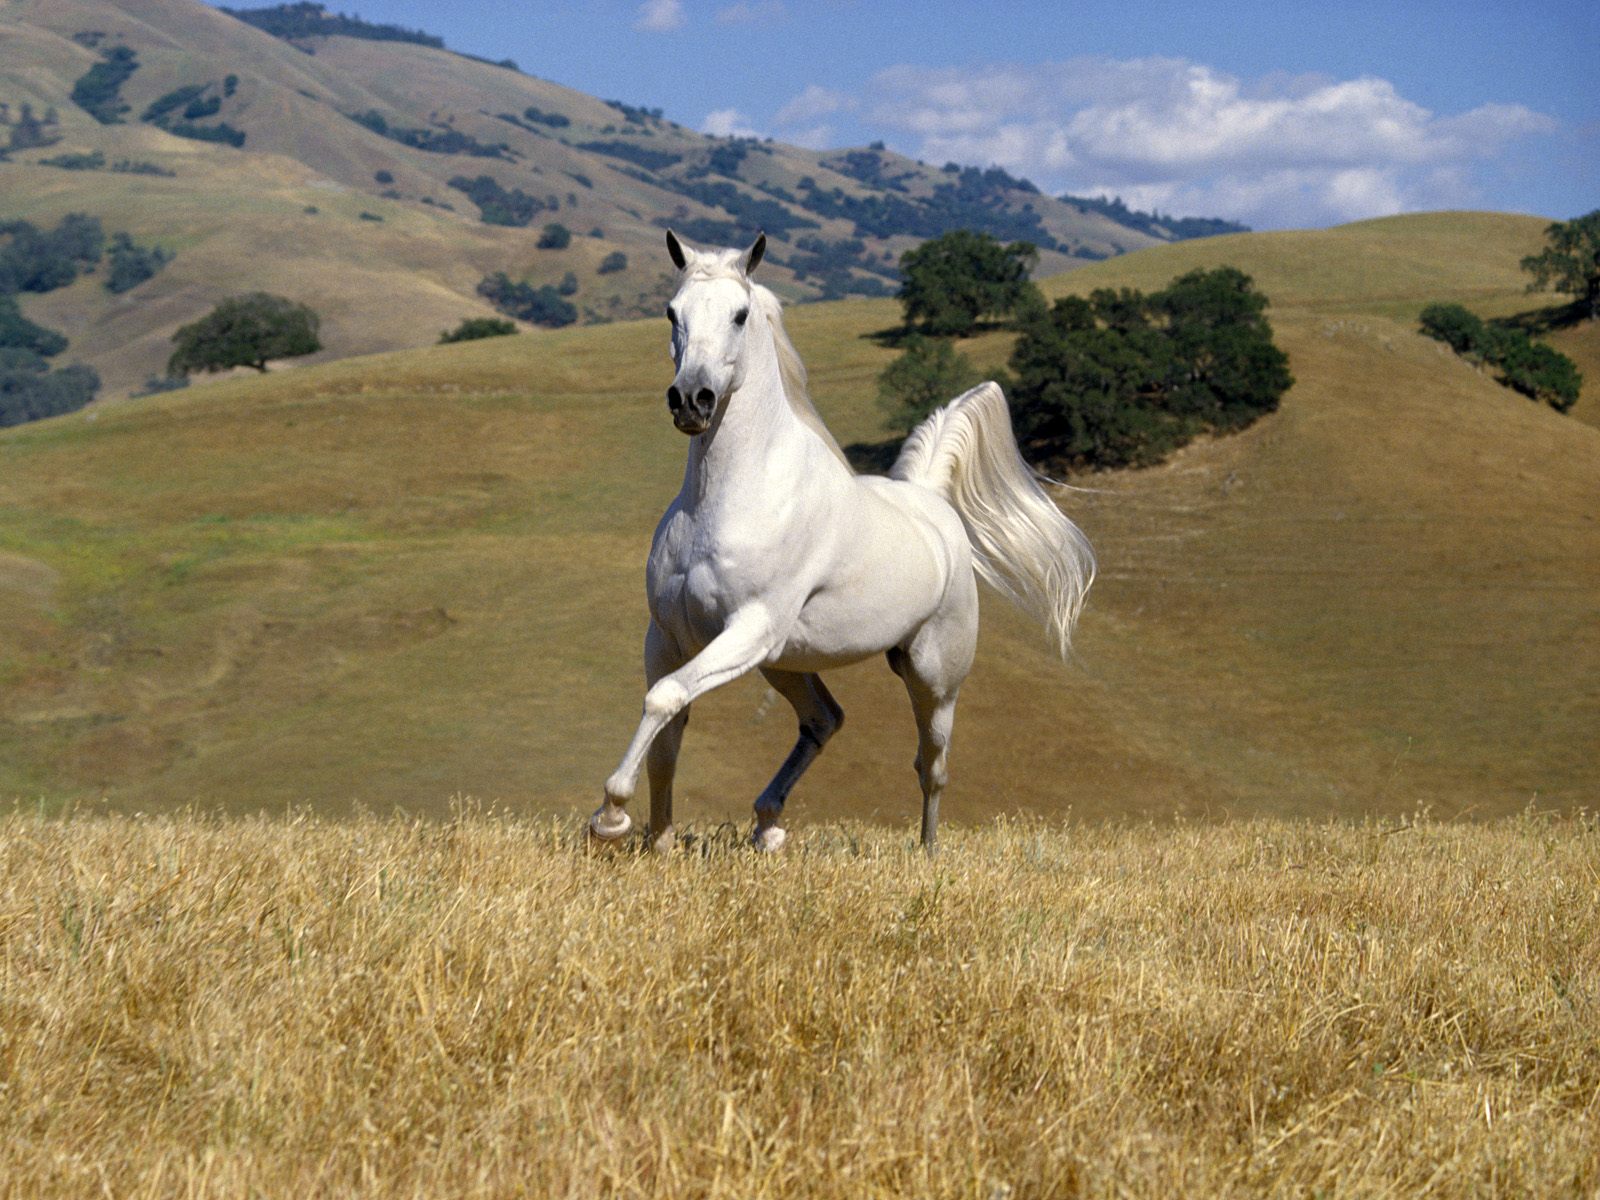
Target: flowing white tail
(1022, 545)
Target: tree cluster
(1123, 378)
(29, 389)
(99, 90)
(536, 305)
(498, 205)
(1532, 368)
(954, 281)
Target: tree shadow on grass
(1545, 320)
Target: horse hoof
(663, 842)
(769, 840)
(608, 826)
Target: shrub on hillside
(99, 90)
(1123, 379)
(1532, 368)
(41, 260)
(538, 306)
(245, 331)
(613, 262)
(499, 205)
(19, 333)
(473, 328)
(131, 264)
(30, 391)
(555, 236)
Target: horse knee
(666, 699)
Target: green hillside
(387, 580)
(368, 170)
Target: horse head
(709, 315)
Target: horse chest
(697, 581)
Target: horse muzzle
(691, 414)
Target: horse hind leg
(820, 718)
(936, 715)
(933, 666)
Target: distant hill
(373, 173)
(391, 579)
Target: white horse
(776, 557)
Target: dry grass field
(475, 1007)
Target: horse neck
(755, 430)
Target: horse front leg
(741, 646)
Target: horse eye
(672, 316)
(740, 317)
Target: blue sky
(1280, 115)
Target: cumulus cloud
(660, 16)
(813, 103)
(728, 122)
(1169, 133)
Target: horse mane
(791, 371)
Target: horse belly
(863, 614)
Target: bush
(245, 331)
(473, 328)
(1123, 379)
(156, 384)
(929, 373)
(19, 333)
(613, 262)
(38, 260)
(498, 205)
(99, 91)
(1456, 327)
(1540, 373)
(538, 306)
(132, 264)
(31, 392)
(556, 236)
(1532, 368)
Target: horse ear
(675, 249)
(753, 259)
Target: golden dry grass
(474, 1007)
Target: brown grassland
(476, 1007)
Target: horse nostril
(674, 398)
(705, 396)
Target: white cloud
(660, 16)
(728, 122)
(747, 13)
(811, 104)
(1164, 132)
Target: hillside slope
(347, 191)
(388, 580)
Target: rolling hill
(390, 579)
(367, 172)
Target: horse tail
(1022, 544)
